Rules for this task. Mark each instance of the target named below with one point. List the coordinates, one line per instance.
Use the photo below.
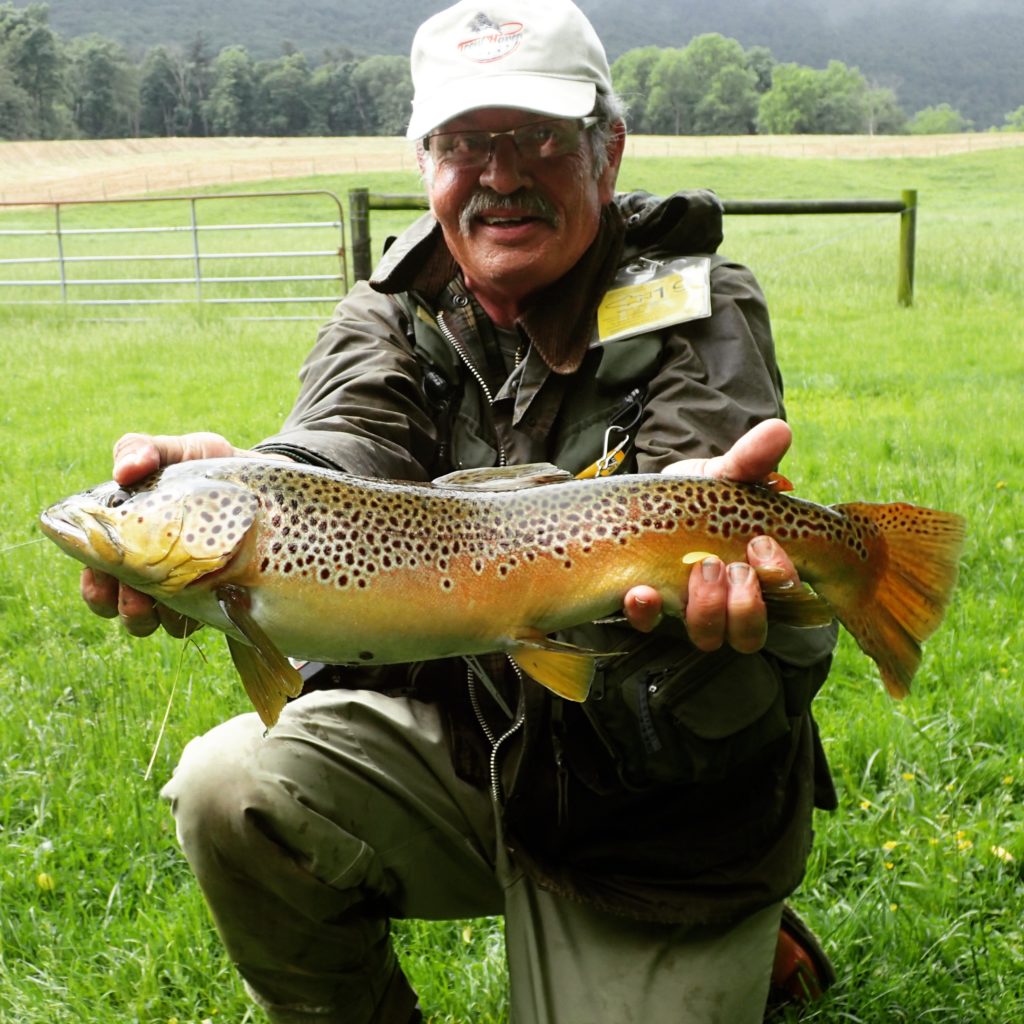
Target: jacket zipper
(495, 741)
(449, 336)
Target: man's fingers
(642, 608)
(705, 615)
(99, 591)
(724, 606)
(138, 455)
(175, 623)
(135, 457)
(756, 454)
(773, 566)
(746, 619)
(137, 612)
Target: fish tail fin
(902, 601)
(563, 668)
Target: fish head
(159, 536)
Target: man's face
(515, 224)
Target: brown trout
(292, 560)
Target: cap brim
(541, 94)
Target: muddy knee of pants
(299, 901)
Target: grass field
(916, 884)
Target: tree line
(88, 87)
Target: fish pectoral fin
(268, 676)
(563, 668)
(791, 605)
(504, 478)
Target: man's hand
(723, 602)
(135, 457)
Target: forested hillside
(967, 53)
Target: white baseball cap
(537, 55)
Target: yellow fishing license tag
(651, 294)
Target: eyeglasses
(541, 140)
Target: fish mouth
(82, 536)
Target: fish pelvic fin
(563, 668)
(907, 590)
(268, 676)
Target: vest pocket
(687, 716)
(726, 717)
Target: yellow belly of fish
(469, 607)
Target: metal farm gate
(256, 255)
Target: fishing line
(831, 240)
(22, 544)
(167, 710)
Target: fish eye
(116, 498)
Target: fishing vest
(600, 407)
(667, 712)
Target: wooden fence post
(359, 227)
(908, 239)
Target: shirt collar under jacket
(559, 321)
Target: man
(639, 845)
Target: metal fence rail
(74, 267)
(361, 201)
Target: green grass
(915, 884)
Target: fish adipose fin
(269, 678)
(900, 603)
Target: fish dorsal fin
(504, 478)
(268, 676)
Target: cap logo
(492, 42)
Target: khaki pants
(306, 841)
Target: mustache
(522, 202)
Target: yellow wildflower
(1003, 854)
(45, 881)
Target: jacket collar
(559, 322)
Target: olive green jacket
(682, 789)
